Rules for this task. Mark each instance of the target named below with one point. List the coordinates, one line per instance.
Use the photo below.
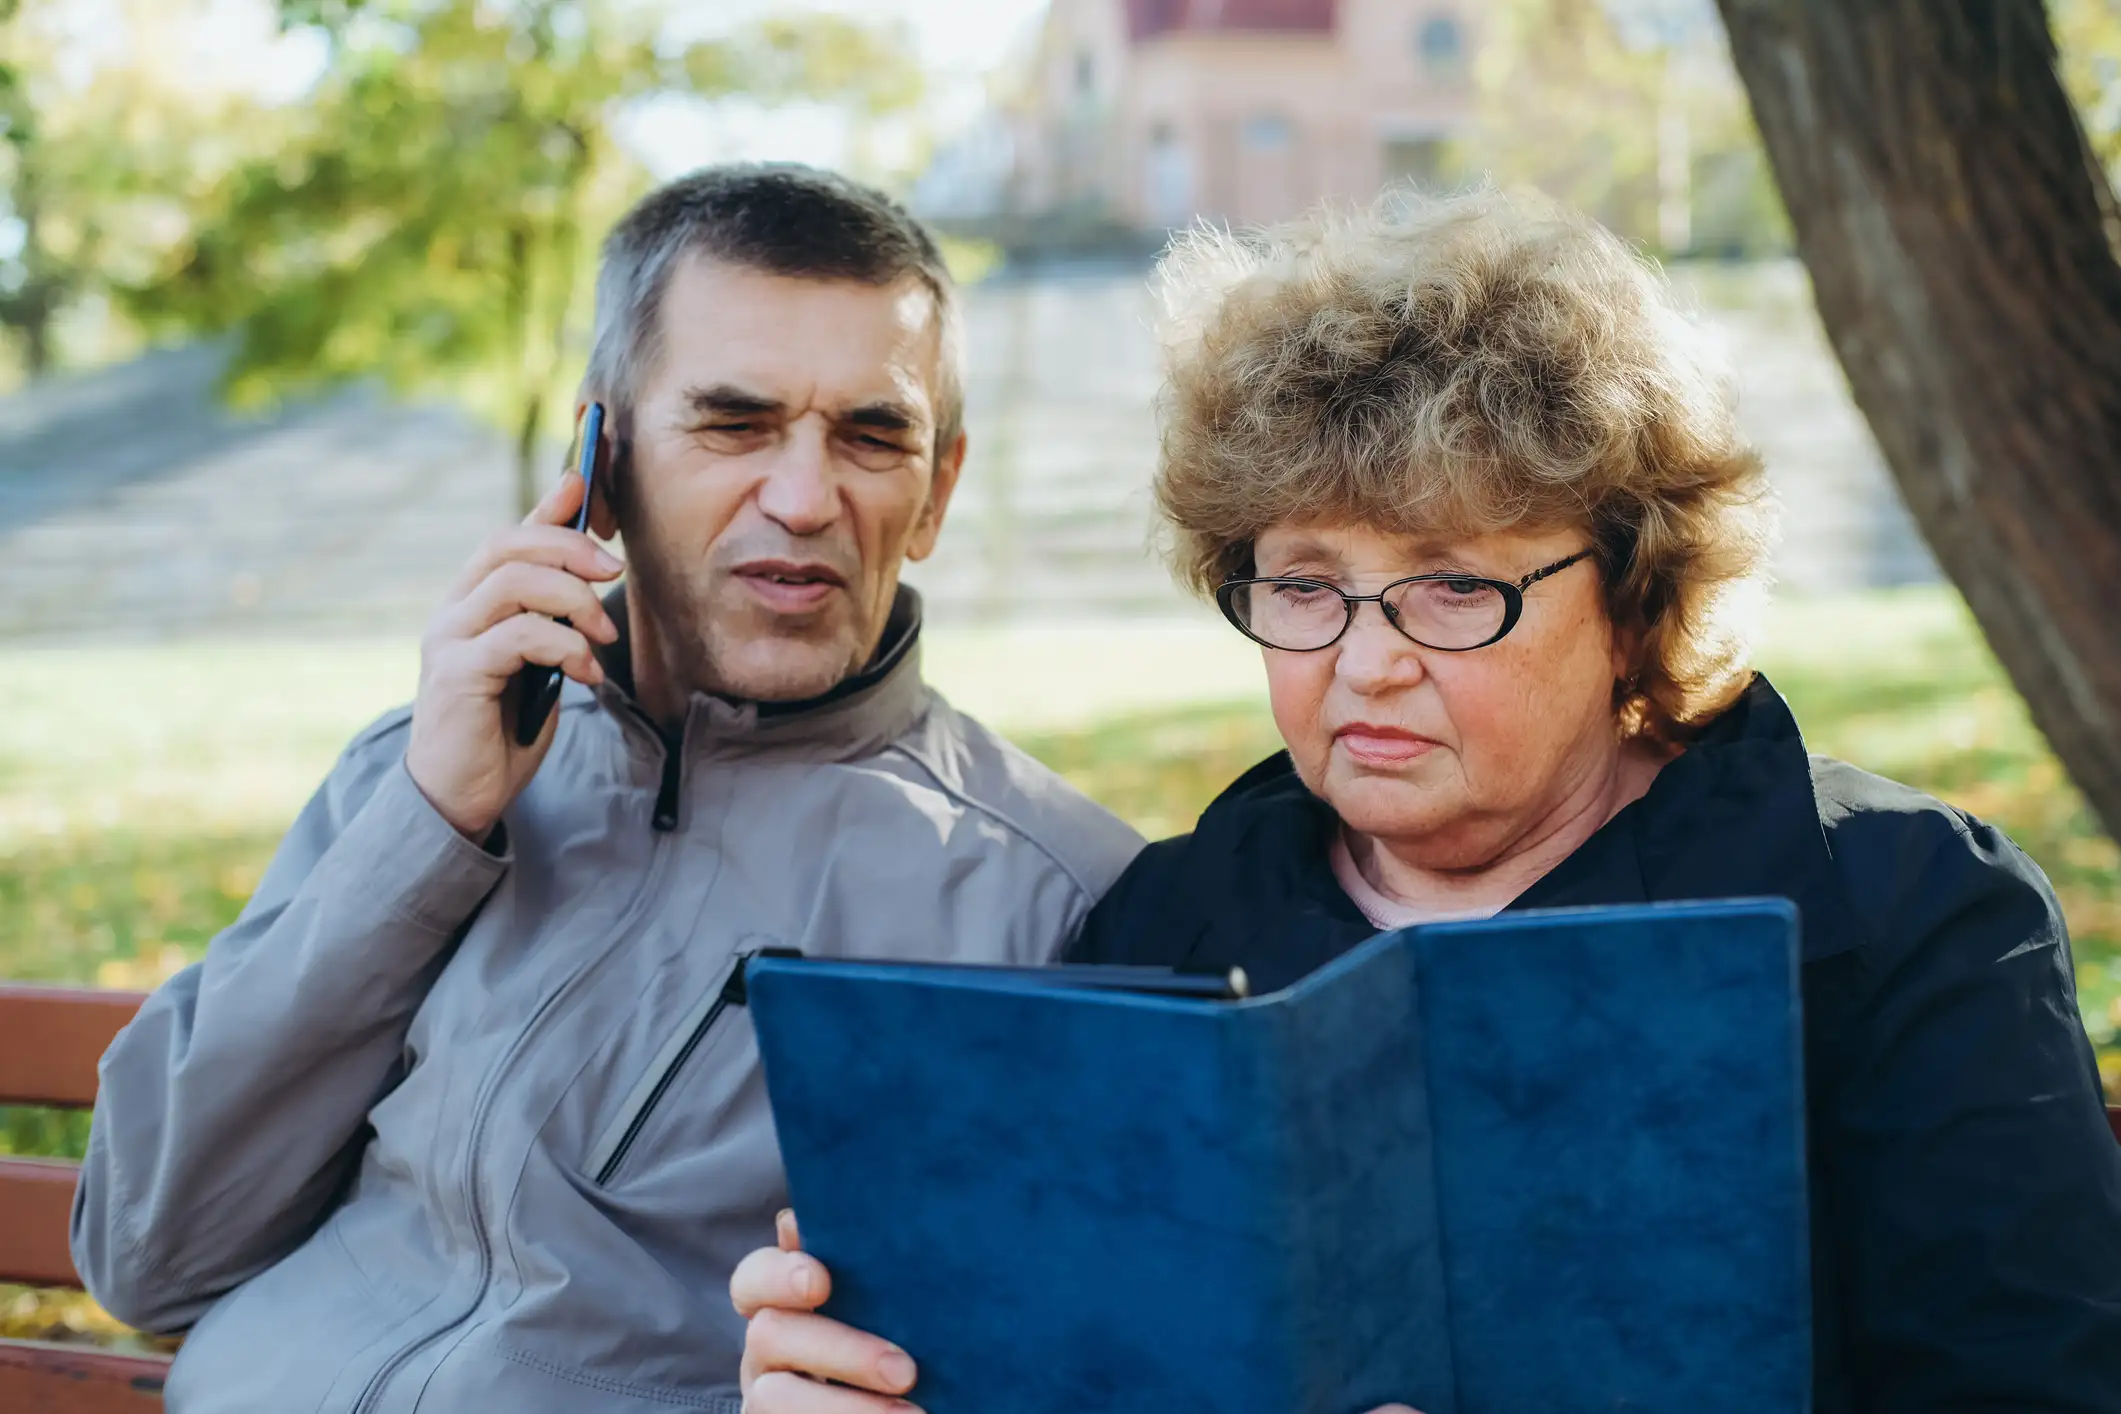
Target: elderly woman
(1463, 476)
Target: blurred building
(1143, 114)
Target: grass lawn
(143, 789)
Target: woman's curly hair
(1456, 367)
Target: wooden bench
(50, 1040)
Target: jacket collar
(857, 716)
(1751, 751)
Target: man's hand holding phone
(503, 615)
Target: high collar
(1749, 757)
(858, 715)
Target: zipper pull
(666, 797)
(734, 991)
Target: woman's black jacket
(1966, 1191)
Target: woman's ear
(1629, 643)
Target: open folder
(1536, 1164)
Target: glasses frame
(1512, 602)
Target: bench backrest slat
(51, 1039)
(36, 1378)
(37, 1199)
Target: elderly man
(459, 1114)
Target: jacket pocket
(608, 1156)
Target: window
(1167, 173)
(1442, 46)
(1267, 132)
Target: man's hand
(788, 1348)
(499, 616)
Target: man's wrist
(401, 846)
(475, 830)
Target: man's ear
(940, 487)
(603, 520)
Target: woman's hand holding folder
(789, 1348)
(791, 1352)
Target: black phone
(535, 689)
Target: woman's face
(1451, 759)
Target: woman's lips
(1382, 746)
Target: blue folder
(1536, 1164)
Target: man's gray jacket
(455, 1129)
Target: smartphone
(535, 689)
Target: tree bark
(1965, 254)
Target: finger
(773, 1278)
(780, 1393)
(825, 1349)
(561, 547)
(520, 587)
(559, 505)
(785, 1231)
(501, 652)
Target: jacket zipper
(733, 983)
(482, 1106)
(665, 818)
(732, 994)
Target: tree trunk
(529, 400)
(35, 307)
(37, 341)
(1963, 247)
(530, 414)
(543, 350)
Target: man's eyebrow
(728, 400)
(885, 416)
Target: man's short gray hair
(779, 218)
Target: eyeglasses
(1452, 613)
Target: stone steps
(134, 506)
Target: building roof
(1148, 19)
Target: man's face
(783, 469)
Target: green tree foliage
(1581, 98)
(1625, 108)
(22, 284)
(103, 146)
(1566, 107)
(433, 218)
(2088, 33)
